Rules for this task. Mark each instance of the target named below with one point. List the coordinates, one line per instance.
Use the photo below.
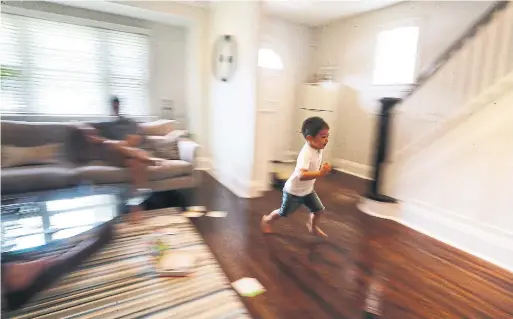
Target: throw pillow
(13, 156)
(158, 128)
(167, 146)
(176, 134)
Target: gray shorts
(290, 203)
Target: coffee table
(70, 224)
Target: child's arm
(306, 175)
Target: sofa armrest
(188, 151)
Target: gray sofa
(80, 162)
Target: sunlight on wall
(396, 55)
(268, 59)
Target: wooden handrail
(457, 45)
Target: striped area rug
(117, 282)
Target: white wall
(293, 42)
(459, 189)
(233, 104)
(349, 45)
(168, 68)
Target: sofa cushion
(158, 128)
(13, 156)
(35, 177)
(25, 134)
(170, 169)
(166, 146)
(106, 174)
(102, 174)
(79, 150)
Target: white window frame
(88, 23)
(413, 22)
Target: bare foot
(316, 231)
(265, 227)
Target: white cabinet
(322, 101)
(320, 96)
(327, 116)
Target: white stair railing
(465, 78)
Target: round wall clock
(224, 57)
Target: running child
(299, 188)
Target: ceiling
(311, 12)
(308, 12)
(317, 12)
(203, 4)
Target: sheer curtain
(56, 68)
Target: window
(57, 68)
(268, 59)
(396, 53)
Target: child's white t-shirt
(310, 159)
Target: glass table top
(34, 220)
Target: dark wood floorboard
(366, 264)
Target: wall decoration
(224, 58)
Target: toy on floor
(194, 211)
(169, 261)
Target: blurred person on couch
(122, 142)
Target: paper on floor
(217, 214)
(248, 287)
(177, 263)
(192, 214)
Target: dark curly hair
(114, 99)
(313, 125)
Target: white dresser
(320, 100)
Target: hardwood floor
(366, 266)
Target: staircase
(464, 78)
(450, 162)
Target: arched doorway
(270, 110)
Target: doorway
(271, 110)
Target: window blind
(56, 68)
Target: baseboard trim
(353, 168)
(204, 163)
(259, 187)
(238, 187)
(487, 243)
(243, 189)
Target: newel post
(380, 149)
